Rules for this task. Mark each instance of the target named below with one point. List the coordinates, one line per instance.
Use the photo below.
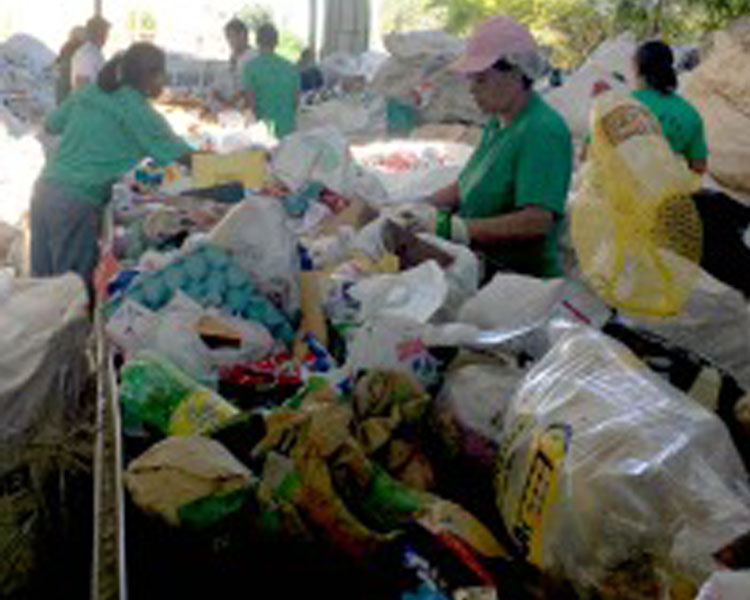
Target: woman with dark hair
(508, 203)
(726, 222)
(106, 128)
(656, 83)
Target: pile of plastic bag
(423, 57)
(26, 78)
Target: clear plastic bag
(614, 479)
(256, 234)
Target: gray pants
(64, 233)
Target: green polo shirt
(680, 121)
(528, 162)
(104, 135)
(275, 82)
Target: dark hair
(96, 24)
(267, 36)
(504, 66)
(236, 26)
(135, 67)
(654, 62)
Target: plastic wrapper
(180, 471)
(612, 478)
(213, 279)
(155, 392)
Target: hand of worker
(422, 217)
(415, 217)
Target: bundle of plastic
(26, 77)
(613, 478)
(421, 56)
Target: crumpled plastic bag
(714, 323)
(416, 294)
(323, 155)
(176, 338)
(256, 234)
(614, 479)
(469, 412)
(392, 344)
(180, 470)
(726, 585)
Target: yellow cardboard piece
(247, 166)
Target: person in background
(76, 39)
(272, 85)
(88, 60)
(726, 222)
(311, 76)
(509, 200)
(229, 93)
(106, 129)
(656, 87)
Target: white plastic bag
(416, 294)
(607, 474)
(726, 585)
(177, 339)
(323, 155)
(715, 324)
(256, 234)
(469, 412)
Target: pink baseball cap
(500, 37)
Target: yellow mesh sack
(635, 229)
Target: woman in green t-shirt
(509, 200)
(106, 129)
(656, 83)
(726, 222)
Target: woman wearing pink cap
(509, 201)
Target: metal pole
(312, 41)
(98, 7)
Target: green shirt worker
(106, 128)
(681, 123)
(272, 85)
(509, 201)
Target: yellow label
(546, 459)
(201, 412)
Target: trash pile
(720, 90)
(304, 377)
(417, 73)
(26, 79)
(26, 94)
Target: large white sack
(610, 62)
